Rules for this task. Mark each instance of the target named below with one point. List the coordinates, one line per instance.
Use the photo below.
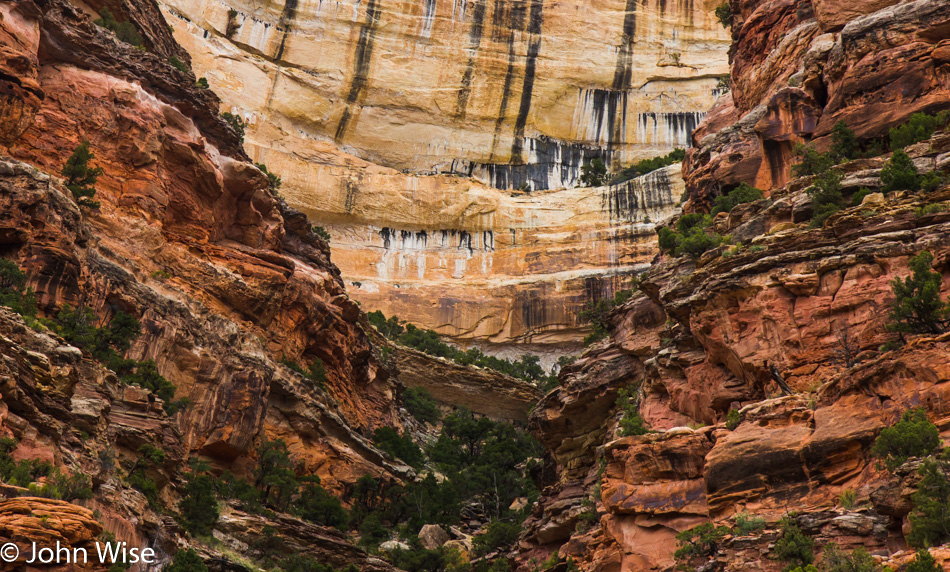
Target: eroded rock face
(393, 126)
(799, 67)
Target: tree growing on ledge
(917, 307)
(80, 177)
(594, 174)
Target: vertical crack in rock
(474, 41)
(535, 20)
(362, 58)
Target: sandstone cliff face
(703, 337)
(800, 67)
(506, 91)
(224, 277)
(392, 124)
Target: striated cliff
(802, 303)
(395, 119)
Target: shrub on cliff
(186, 561)
(317, 505)
(691, 238)
(724, 14)
(594, 173)
(421, 405)
(844, 143)
(899, 174)
(199, 505)
(811, 161)
(698, 542)
(273, 180)
(399, 446)
(14, 293)
(923, 562)
(737, 196)
(835, 560)
(930, 518)
(274, 475)
(794, 547)
(630, 421)
(596, 312)
(236, 123)
(80, 177)
(498, 534)
(391, 328)
(913, 436)
(917, 307)
(919, 127)
(826, 197)
(125, 31)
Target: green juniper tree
(80, 177)
(917, 307)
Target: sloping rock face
(394, 124)
(799, 67)
(806, 305)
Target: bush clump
(919, 127)
(630, 421)
(913, 436)
(80, 177)
(923, 562)
(917, 307)
(421, 405)
(236, 123)
(691, 236)
(399, 446)
(794, 547)
(594, 173)
(596, 313)
(186, 561)
(724, 14)
(930, 517)
(826, 197)
(698, 542)
(14, 293)
(125, 31)
(737, 196)
(899, 174)
(273, 180)
(834, 560)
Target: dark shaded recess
(623, 72)
(534, 47)
(474, 41)
(779, 155)
(287, 17)
(362, 59)
(386, 234)
(465, 241)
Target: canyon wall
(391, 120)
(505, 91)
(790, 301)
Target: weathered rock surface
(799, 67)
(392, 124)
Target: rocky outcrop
(483, 391)
(800, 67)
(807, 306)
